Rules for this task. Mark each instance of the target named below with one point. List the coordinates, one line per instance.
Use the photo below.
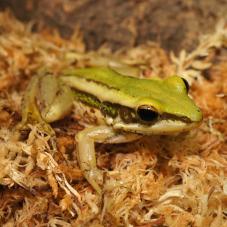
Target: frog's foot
(86, 153)
(95, 178)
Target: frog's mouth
(161, 127)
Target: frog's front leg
(86, 150)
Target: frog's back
(109, 79)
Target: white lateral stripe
(98, 90)
(162, 127)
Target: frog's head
(164, 109)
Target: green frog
(125, 108)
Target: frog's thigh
(86, 152)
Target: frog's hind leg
(30, 112)
(86, 151)
(45, 100)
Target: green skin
(118, 98)
(166, 96)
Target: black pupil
(146, 114)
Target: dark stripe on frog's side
(128, 115)
(90, 100)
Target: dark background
(123, 23)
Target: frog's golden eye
(186, 84)
(147, 113)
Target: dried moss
(172, 181)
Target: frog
(126, 108)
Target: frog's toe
(95, 178)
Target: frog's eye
(186, 84)
(147, 113)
